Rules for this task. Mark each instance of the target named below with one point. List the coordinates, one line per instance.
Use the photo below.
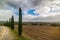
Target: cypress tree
(12, 22)
(6, 23)
(20, 22)
(9, 22)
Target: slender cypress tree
(20, 22)
(12, 22)
(9, 22)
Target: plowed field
(42, 32)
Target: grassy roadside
(16, 36)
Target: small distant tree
(9, 22)
(12, 22)
(6, 23)
(20, 22)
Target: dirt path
(6, 34)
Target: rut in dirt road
(5, 33)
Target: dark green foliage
(12, 22)
(56, 24)
(34, 23)
(20, 22)
(7, 23)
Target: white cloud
(6, 14)
(49, 8)
(28, 17)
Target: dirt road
(5, 33)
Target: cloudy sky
(32, 10)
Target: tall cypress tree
(20, 22)
(12, 22)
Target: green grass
(16, 36)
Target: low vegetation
(18, 37)
(55, 24)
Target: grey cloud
(26, 4)
(23, 3)
(3, 5)
(11, 3)
(46, 19)
(35, 2)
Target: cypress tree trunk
(20, 22)
(12, 22)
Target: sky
(32, 10)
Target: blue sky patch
(32, 12)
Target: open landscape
(41, 32)
(29, 19)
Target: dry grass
(42, 32)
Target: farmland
(44, 32)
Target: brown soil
(42, 32)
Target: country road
(8, 34)
(5, 33)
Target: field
(42, 32)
